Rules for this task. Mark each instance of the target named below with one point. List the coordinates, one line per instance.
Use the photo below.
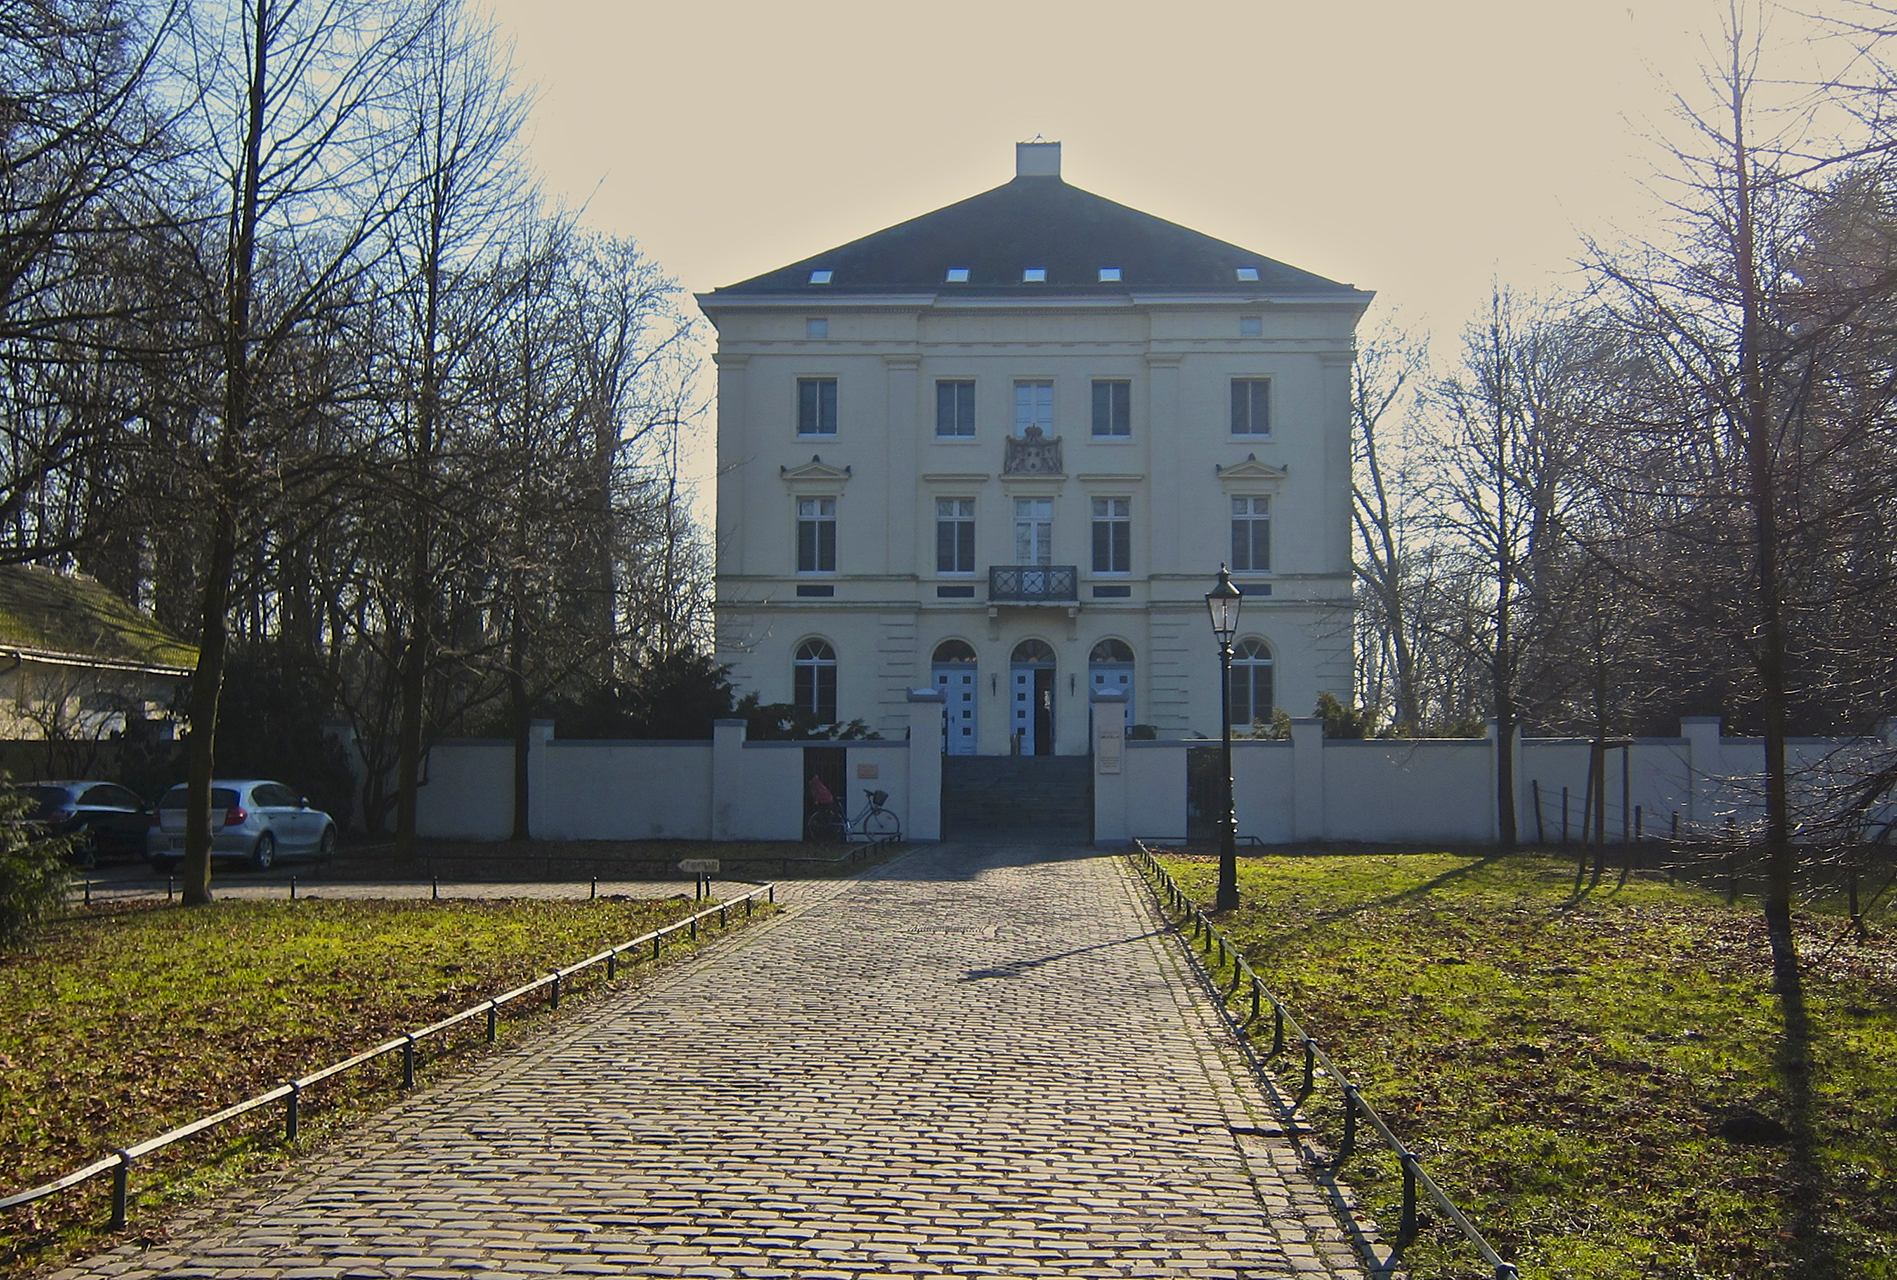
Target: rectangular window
(1033, 407)
(1251, 406)
(816, 535)
(955, 410)
(1112, 535)
(1251, 535)
(816, 406)
(1112, 407)
(816, 690)
(1033, 530)
(955, 535)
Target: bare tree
(298, 173)
(1386, 511)
(466, 190)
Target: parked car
(253, 819)
(110, 820)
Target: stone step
(1017, 792)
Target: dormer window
(957, 275)
(1034, 275)
(1248, 273)
(1109, 274)
(823, 277)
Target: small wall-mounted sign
(1108, 747)
(699, 866)
(869, 771)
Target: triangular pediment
(815, 469)
(1252, 469)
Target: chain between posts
(1316, 1063)
(289, 1093)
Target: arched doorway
(1110, 666)
(1031, 708)
(955, 671)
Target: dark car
(110, 820)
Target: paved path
(975, 1061)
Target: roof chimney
(1037, 159)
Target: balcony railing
(1033, 583)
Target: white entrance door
(956, 680)
(1021, 708)
(1114, 675)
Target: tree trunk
(523, 731)
(1756, 406)
(207, 686)
(207, 682)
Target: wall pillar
(1307, 778)
(1109, 767)
(539, 734)
(924, 819)
(1705, 765)
(727, 780)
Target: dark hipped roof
(1033, 222)
(75, 617)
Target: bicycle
(874, 824)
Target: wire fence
(1256, 1002)
(289, 1094)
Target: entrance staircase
(1040, 797)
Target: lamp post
(1222, 602)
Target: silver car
(255, 819)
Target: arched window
(954, 651)
(1031, 653)
(814, 672)
(1251, 683)
(1111, 651)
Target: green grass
(119, 1025)
(1602, 1081)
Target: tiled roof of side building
(1035, 221)
(74, 616)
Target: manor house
(1003, 448)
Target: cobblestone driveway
(977, 1061)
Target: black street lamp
(1222, 603)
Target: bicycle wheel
(881, 826)
(824, 827)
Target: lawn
(120, 1024)
(1602, 1081)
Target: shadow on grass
(1813, 1246)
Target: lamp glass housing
(1222, 602)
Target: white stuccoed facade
(830, 410)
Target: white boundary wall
(1301, 789)
(724, 789)
(1436, 789)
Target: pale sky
(1416, 149)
